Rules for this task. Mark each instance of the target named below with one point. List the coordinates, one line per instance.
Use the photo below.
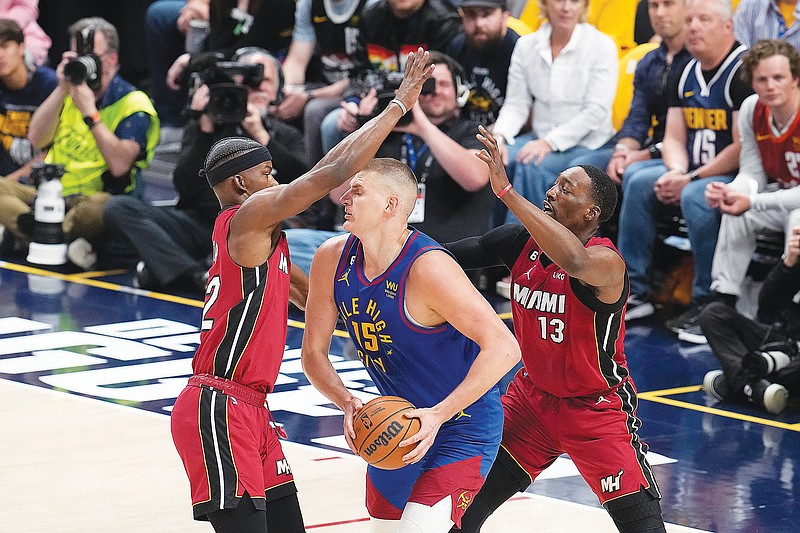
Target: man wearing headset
(454, 199)
(174, 243)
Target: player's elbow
(510, 353)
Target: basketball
(380, 426)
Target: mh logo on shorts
(282, 467)
(611, 483)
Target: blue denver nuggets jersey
(708, 108)
(421, 364)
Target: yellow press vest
(74, 145)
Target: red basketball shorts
(600, 434)
(228, 447)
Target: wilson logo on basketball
(384, 438)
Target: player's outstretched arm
(438, 291)
(321, 313)
(597, 266)
(269, 207)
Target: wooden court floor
(90, 367)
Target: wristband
(400, 104)
(92, 120)
(694, 175)
(504, 191)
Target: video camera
(227, 84)
(87, 66)
(385, 84)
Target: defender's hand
(493, 158)
(414, 77)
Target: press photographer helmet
(86, 67)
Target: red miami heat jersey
(243, 333)
(572, 344)
(780, 156)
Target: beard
(489, 43)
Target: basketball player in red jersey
(765, 193)
(574, 393)
(240, 479)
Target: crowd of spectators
(298, 77)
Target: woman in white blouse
(566, 71)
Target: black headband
(236, 165)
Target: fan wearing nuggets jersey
(765, 194)
(424, 333)
(574, 393)
(223, 431)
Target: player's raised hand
(493, 159)
(417, 71)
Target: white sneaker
(714, 385)
(638, 306)
(81, 253)
(503, 288)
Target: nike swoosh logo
(763, 137)
(688, 94)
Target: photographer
(759, 358)
(98, 126)
(174, 242)
(454, 199)
(388, 30)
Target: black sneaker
(639, 306)
(714, 385)
(771, 396)
(686, 319)
(143, 278)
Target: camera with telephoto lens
(771, 357)
(227, 82)
(87, 66)
(385, 85)
(48, 246)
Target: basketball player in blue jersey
(424, 333)
(221, 426)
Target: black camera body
(385, 85)
(228, 82)
(87, 66)
(41, 172)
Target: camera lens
(80, 69)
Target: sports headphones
(256, 50)
(457, 72)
